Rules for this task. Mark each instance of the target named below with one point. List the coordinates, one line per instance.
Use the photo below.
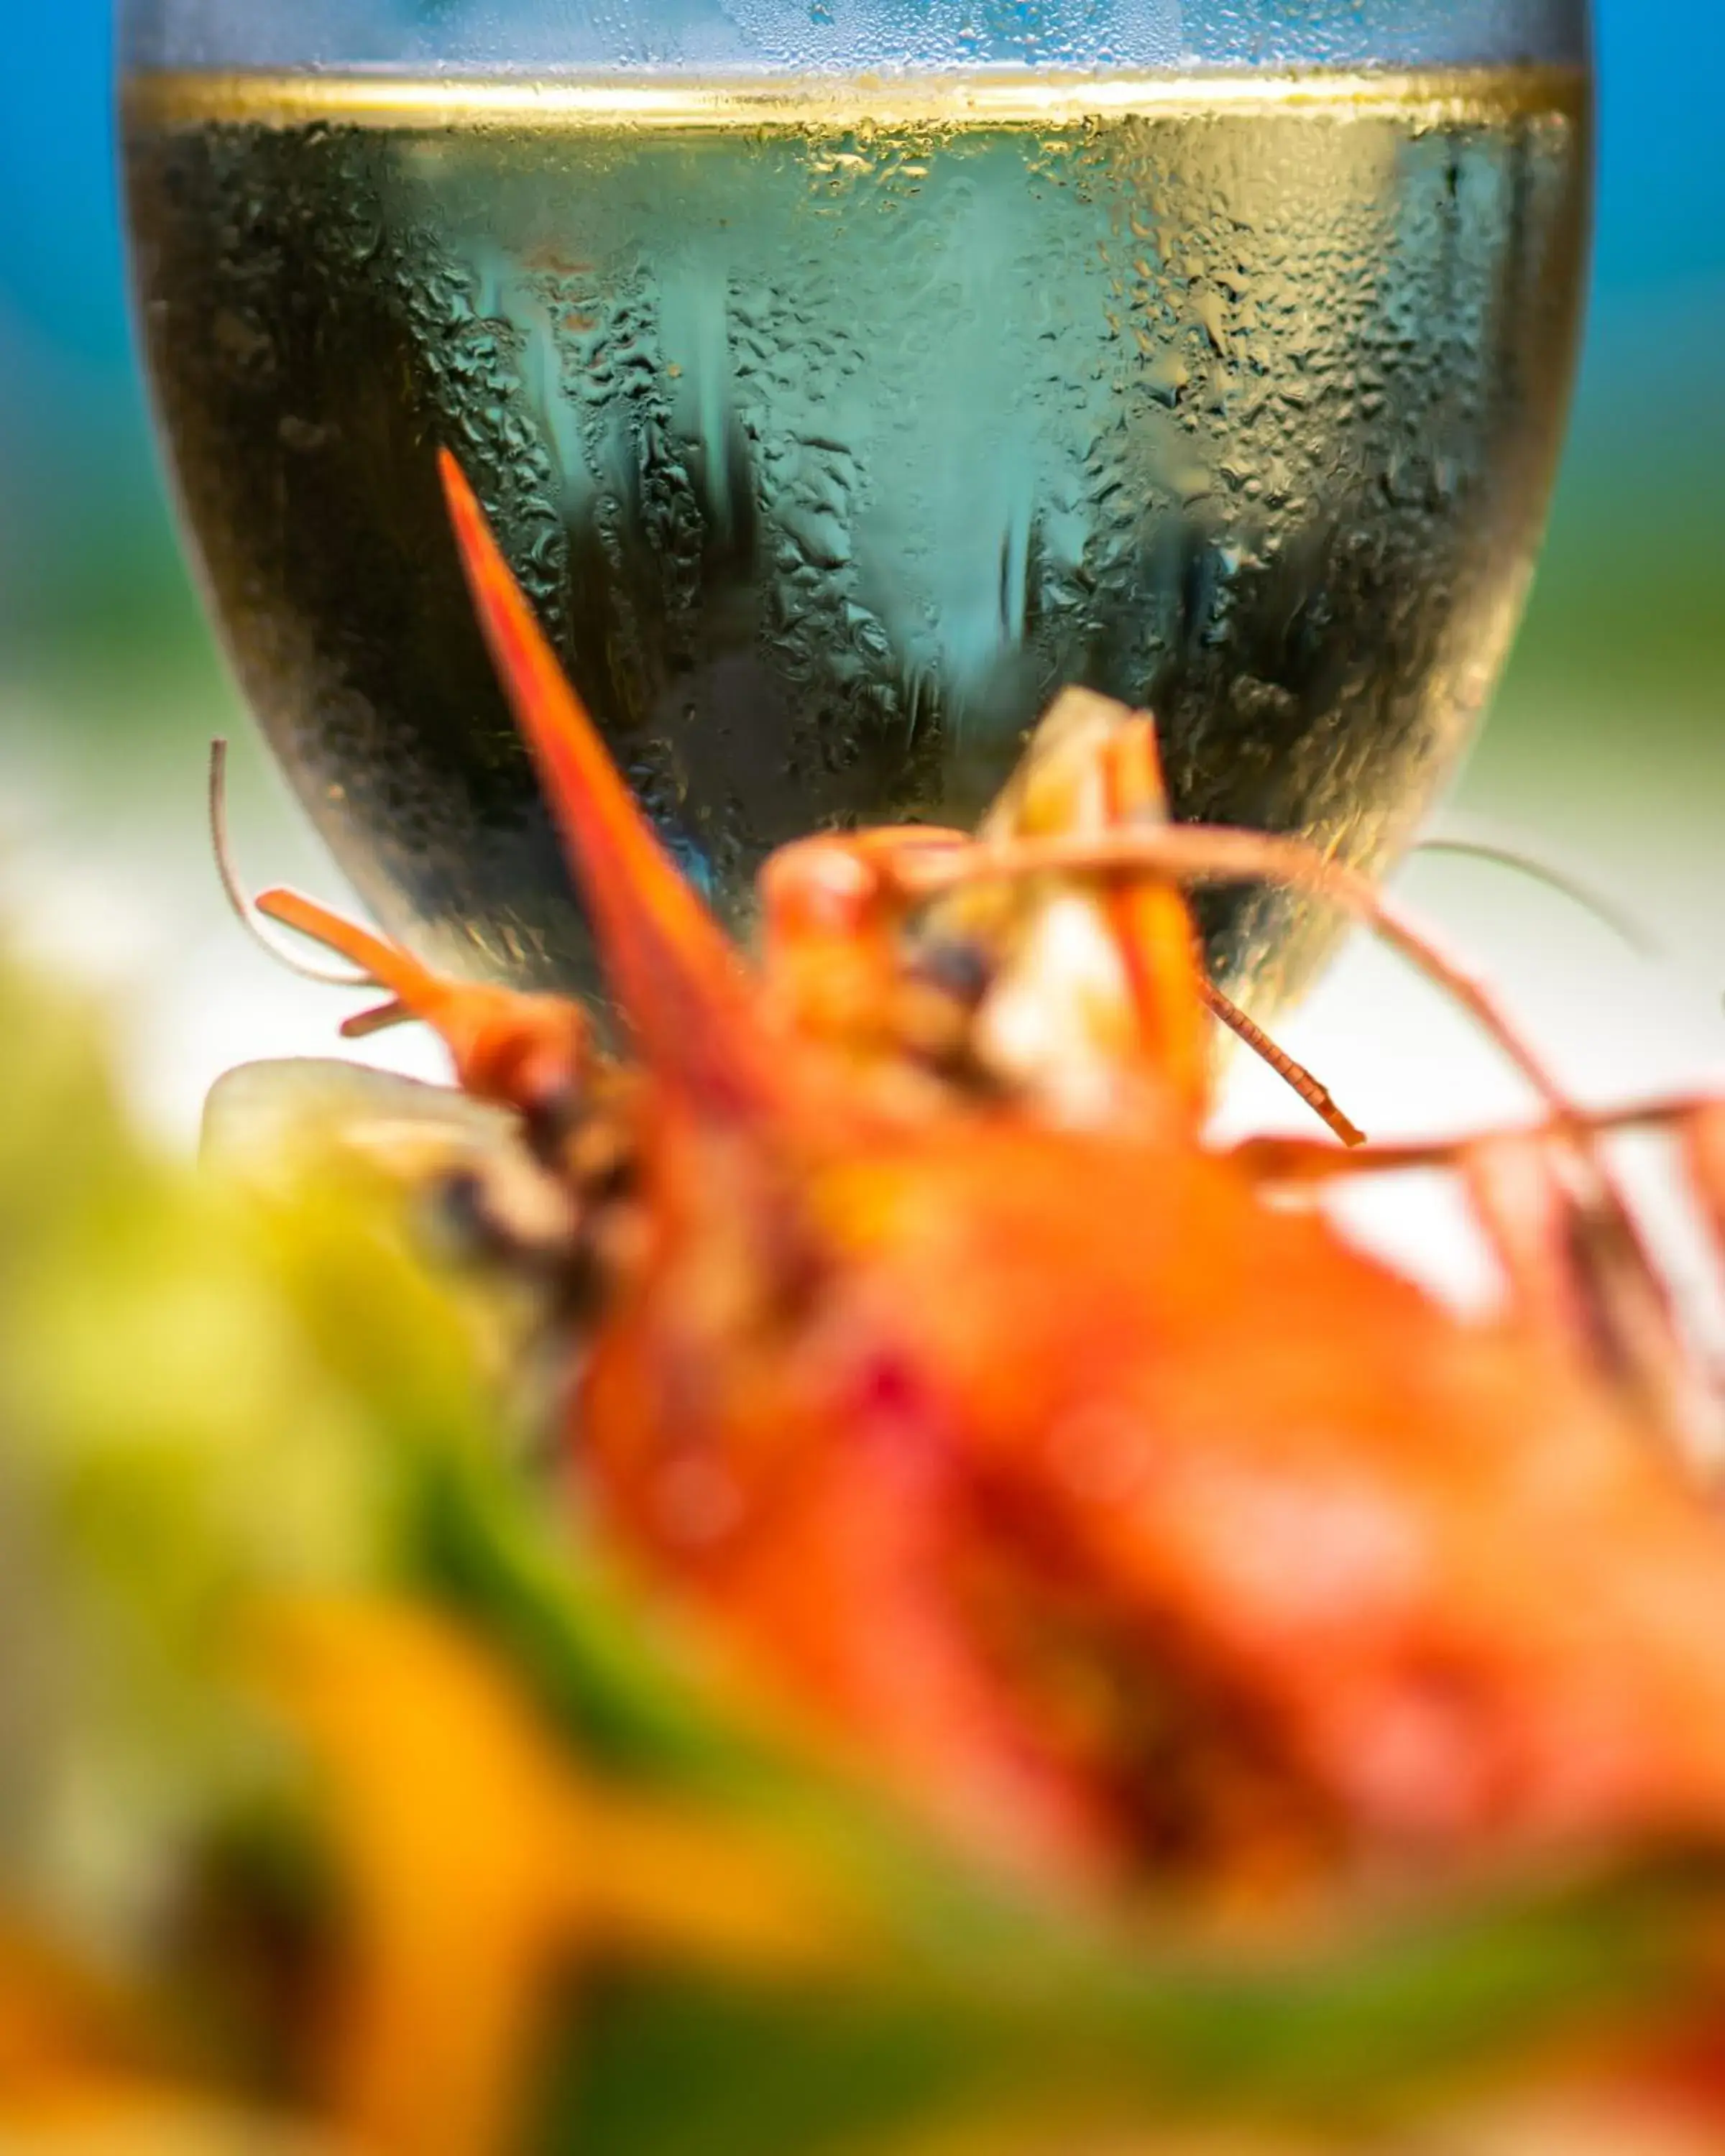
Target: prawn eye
(955, 966)
(549, 1116)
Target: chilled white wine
(831, 428)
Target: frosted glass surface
(847, 36)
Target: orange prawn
(1114, 1507)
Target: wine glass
(844, 378)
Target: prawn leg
(1703, 1139)
(531, 1053)
(1291, 1163)
(1579, 1275)
(1576, 1269)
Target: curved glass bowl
(846, 377)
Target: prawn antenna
(1316, 1096)
(1507, 850)
(240, 905)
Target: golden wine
(833, 427)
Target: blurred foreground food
(348, 1801)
